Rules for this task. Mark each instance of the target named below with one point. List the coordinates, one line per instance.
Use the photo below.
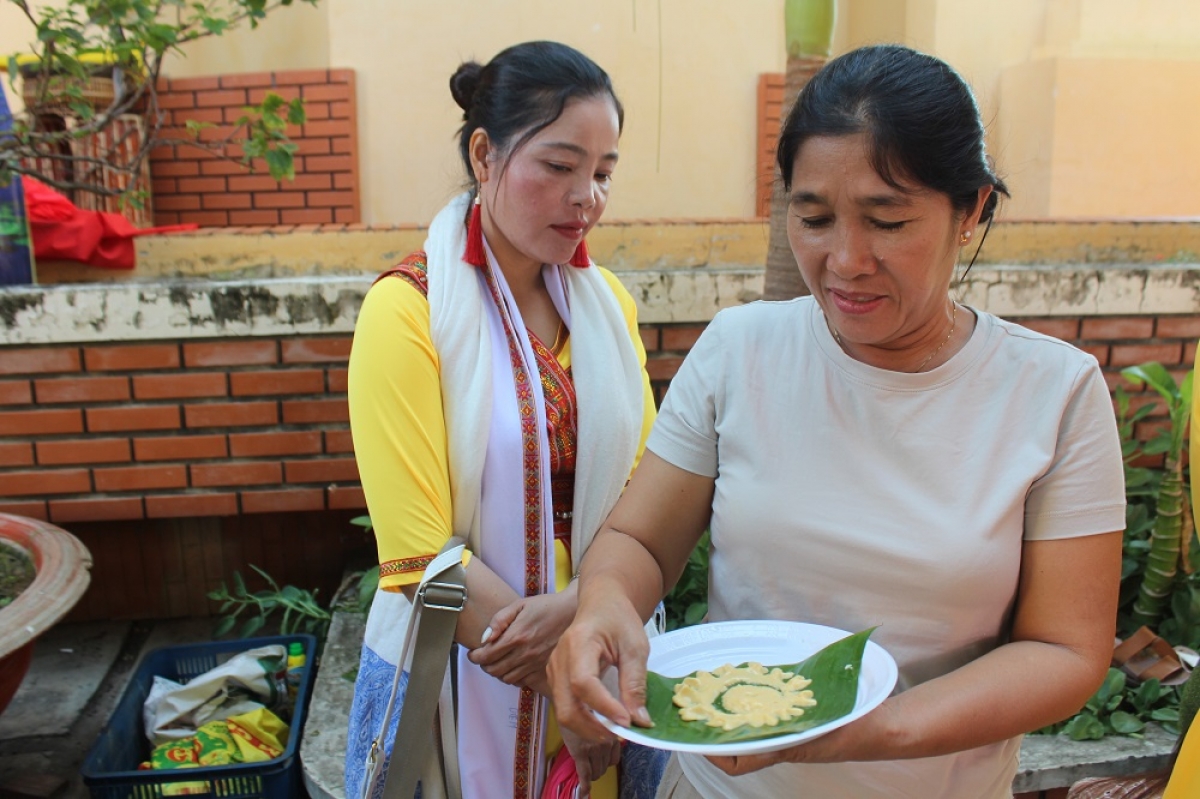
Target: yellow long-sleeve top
(399, 428)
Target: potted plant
(62, 573)
(90, 88)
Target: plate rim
(774, 743)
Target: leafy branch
(125, 41)
(687, 603)
(301, 611)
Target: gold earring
(965, 237)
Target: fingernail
(643, 717)
(487, 633)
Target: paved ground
(77, 676)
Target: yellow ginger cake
(735, 696)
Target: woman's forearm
(617, 566)
(1017, 688)
(486, 595)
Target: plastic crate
(110, 768)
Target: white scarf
(497, 735)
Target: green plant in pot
(16, 573)
(95, 64)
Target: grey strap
(440, 599)
(449, 739)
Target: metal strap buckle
(445, 596)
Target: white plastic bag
(245, 682)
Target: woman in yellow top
(498, 392)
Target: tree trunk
(808, 26)
(783, 280)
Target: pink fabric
(562, 780)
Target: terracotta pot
(63, 565)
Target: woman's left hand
(522, 637)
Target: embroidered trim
(524, 773)
(405, 565)
(414, 270)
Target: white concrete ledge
(108, 312)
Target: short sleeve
(1083, 490)
(685, 433)
(399, 430)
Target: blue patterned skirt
(640, 770)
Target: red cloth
(63, 231)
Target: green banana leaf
(834, 673)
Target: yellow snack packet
(176, 755)
(260, 735)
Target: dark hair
(918, 114)
(523, 90)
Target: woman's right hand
(604, 634)
(520, 637)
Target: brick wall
(770, 114)
(178, 462)
(1116, 341)
(260, 425)
(176, 429)
(193, 185)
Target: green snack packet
(834, 672)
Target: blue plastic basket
(110, 768)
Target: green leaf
(695, 613)
(1154, 375)
(362, 521)
(1156, 446)
(252, 626)
(281, 164)
(194, 127)
(1084, 727)
(239, 586)
(1165, 714)
(224, 626)
(296, 114)
(367, 585)
(270, 104)
(834, 672)
(1113, 685)
(1147, 694)
(1125, 723)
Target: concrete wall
(1084, 97)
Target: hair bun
(464, 82)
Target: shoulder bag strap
(442, 595)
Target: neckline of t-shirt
(947, 372)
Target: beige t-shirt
(852, 496)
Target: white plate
(772, 643)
